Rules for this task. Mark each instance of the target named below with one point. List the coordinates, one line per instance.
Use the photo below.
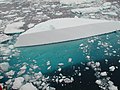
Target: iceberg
(65, 29)
(58, 43)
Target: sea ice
(10, 73)
(103, 73)
(18, 83)
(112, 68)
(4, 66)
(23, 67)
(28, 86)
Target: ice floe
(4, 66)
(14, 28)
(28, 86)
(10, 73)
(4, 38)
(112, 68)
(18, 83)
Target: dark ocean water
(104, 49)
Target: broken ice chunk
(112, 68)
(4, 66)
(18, 83)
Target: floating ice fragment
(1, 77)
(60, 64)
(61, 80)
(23, 67)
(49, 68)
(112, 86)
(97, 64)
(103, 73)
(79, 74)
(50, 88)
(11, 46)
(99, 82)
(28, 86)
(10, 73)
(112, 68)
(48, 63)
(27, 77)
(21, 72)
(67, 80)
(59, 69)
(35, 67)
(8, 82)
(18, 83)
(4, 66)
(70, 60)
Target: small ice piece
(28, 86)
(50, 88)
(107, 4)
(35, 67)
(103, 73)
(18, 83)
(4, 66)
(112, 86)
(7, 51)
(48, 63)
(99, 82)
(67, 80)
(49, 68)
(31, 25)
(27, 77)
(8, 82)
(112, 68)
(70, 60)
(11, 46)
(61, 80)
(59, 69)
(23, 67)
(5, 58)
(114, 51)
(97, 64)
(21, 72)
(38, 75)
(88, 57)
(79, 74)
(60, 64)
(81, 45)
(10, 73)
(119, 61)
(87, 68)
(1, 77)
(45, 86)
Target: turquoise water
(93, 48)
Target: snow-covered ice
(18, 83)
(103, 73)
(14, 28)
(112, 68)
(28, 86)
(4, 66)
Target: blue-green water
(98, 48)
(80, 52)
